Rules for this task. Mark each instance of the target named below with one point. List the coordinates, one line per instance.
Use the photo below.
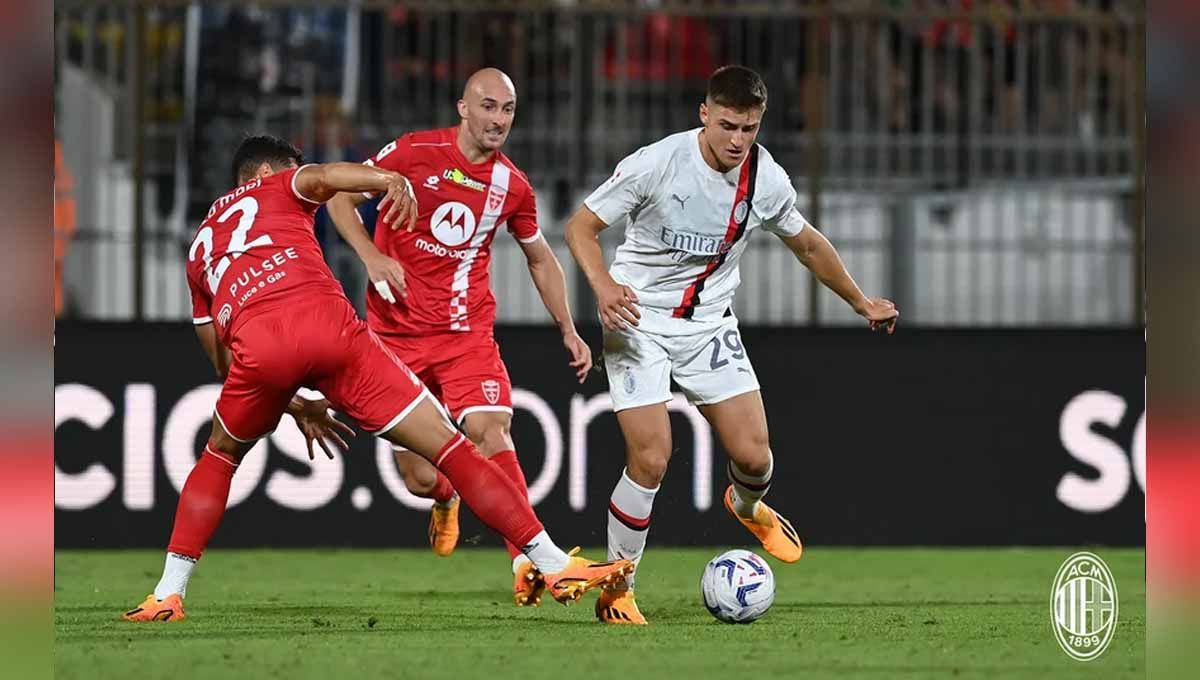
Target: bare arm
(551, 283)
(817, 254)
(343, 210)
(322, 182)
(384, 272)
(216, 352)
(615, 301)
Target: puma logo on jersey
(682, 201)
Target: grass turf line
(332, 614)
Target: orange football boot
(443, 527)
(619, 607)
(776, 533)
(582, 575)
(170, 609)
(528, 585)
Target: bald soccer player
(431, 300)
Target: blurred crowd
(340, 82)
(1038, 58)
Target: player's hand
(581, 354)
(880, 314)
(316, 422)
(399, 204)
(386, 275)
(618, 306)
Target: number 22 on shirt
(248, 209)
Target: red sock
(488, 492)
(202, 503)
(443, 490)
(507, 462)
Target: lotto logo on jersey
(452, 224)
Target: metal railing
(983, 166)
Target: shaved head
(487, 108)
(490, 82)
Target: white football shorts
(706, 358)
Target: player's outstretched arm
(818, 254)
(323, 181)
(385, 273)
(551, 283)
(617, 303)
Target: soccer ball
(738, 586)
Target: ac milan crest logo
(1084, 606)
(739, 211)
(629, 382)
(491, 390)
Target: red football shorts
(463, 370)
(321, 344)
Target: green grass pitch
(358, 614)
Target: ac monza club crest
(495, 199)
(491, 390)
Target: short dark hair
(258, 149)
(736, 87)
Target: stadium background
(976, 162)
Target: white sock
(629, 521)
(176, 573)
(547, 557)
(518, 561)
(748, 489)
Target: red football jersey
(446, 257)
(256, 249)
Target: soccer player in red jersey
(431, 301)
(272, 319)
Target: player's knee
(752, 453)
(755, 466)
(421, 479)
(494, 439)
(647, 463)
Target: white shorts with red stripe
(706, 358)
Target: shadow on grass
(95, 623)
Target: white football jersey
(689, 224)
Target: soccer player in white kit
(692, 199)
